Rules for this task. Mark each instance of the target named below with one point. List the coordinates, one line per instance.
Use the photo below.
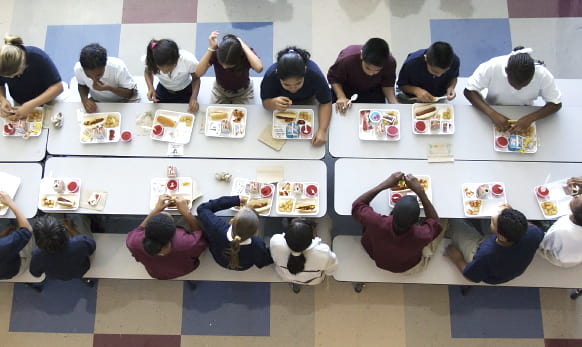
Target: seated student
(165, 250)
(12, 240)
(500, 257)
(31, 76)
(233, 244)
(575, 184)
(514, 79)
(368, 70)
(297, 80)
(398, 242)
(63, 247)
(300, 256)
(232, 60)
(562, 244)
(105, 78)
(429, 73)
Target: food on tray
(306, 129)
(285, 189)
(286, 116)
(218, 115)
(395, 197)
(64, 202)
(425, 112)
(35, 116)
(292, 130)
(420, 126)
(111, 121)
(549, 208)
(375, 117)
(298, 188)
(73, 187)
(266, 190)
(225, 128)
(93, 122)
(166, 121)
(306, 206)
(483, 191)
(48, 203)
(237, 115)
(259, 205)
(501, 141)
(542, 191)
(187, 120)
(497, 190)
(253, 187)
(172, 184)
(158, 130)
(305, 116)
(59, 186)
(311, 190)
(9, 129)
(469, 193)
(286, 205)
(447, 114)
(435, 125)
(474, 207)
(392, 131)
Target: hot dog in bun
(306, 206)
(424, 112)
(65, 202)
(286, 116)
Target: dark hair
(520, 67)
(159, 230)
(93, 56)
(405, 213)
(230, 52)
(160, 53)
(291, 62)
(577, 212)
(440, 54)
(375, 52)
(298, 236)
(50, 234)
(245, 224)
(511, 224)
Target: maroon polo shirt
(230, 79)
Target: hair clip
(523, 50)
(295, 254)
(153, 44)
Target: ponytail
(160, 53)
(298, 237)
(244, 225)
(233, 252)
(12, 56)
(296, 262)
(291, 62)
(13, 40)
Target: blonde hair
(244, 225)
(12, 56)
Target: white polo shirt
(116, 75)
(562, 244)
(181, 76)
(319, 261)
(491, 75)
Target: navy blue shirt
(40, 73)
(71, 262)
(314, 84)
(215, 229)
(414, 73)
(9, 248)
(496, 264)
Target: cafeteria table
(27, 194)
(17, 149)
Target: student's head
(162, 55)
(298, 236)
(244, 225)
(405, 214)
(374, 55)
(439, 58)
(12, 57)
(576, 208)
(291, 68)
(230, 53)
(510, 224)
(520, 69)
(50, 234)
(159, 231)
(93, 59)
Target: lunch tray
(186, 188)
(48, 194)
(442, 123)
(180, 133)
(242, 187)
(232, 126)
(557, 200)
(290, 193)
(109, 130)
(373, 124)
(26, 127)
(488, 204)
(525, 144)
(301, 129)
(425, 182)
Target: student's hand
(454, 254)
(521, 125)
(319, 138)
(282, 103)
(193, 106)
(342, 105)
(163, 202)
(575, 183)
(5, 199)
(501, 122)
(182, 205)
(6, 109)
(89, 105)
(23, 111)
(451, 94)
(423, 96)
(152, 95)
(243, 200)
(213, 40)
(392, 180)
(413, 183)
(98, 85)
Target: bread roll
(166, 121)
(218, 115)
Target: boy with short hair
(429, 73)
(368, 70)
(105, 78)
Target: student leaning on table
(514, 79)
(232, 60)
(105, 78)
(13, 240)
(300, 256)
(498, 256)
(398, 242)
(31, 76)
(297, 80)
(233, 244)
(176, 70)
(368, 70)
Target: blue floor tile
(62, 307)
(257, 35)
(496, 312)
(474, 40)
(227, 309)
(64, 42)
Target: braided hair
(520, 67)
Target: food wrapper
(270, 174)
(93, 199)
(143, 124)
(440, 152)
(266, 137)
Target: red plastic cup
(266, 191)
(542, 191)
(9, 129)
(172, 184)
(392, 131)
(395, 197)
(158, 130)
(497, 189)
(126, 136)
(420, 126)
(73, 187)
(501, 142)
(311, 190)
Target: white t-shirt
(562, 245)
(181, 76)
(491, 75)
(116, 75)
(319, 261)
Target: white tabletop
(66, 141)
(27, 193)
(472, 140)
(127, 180)
(356, 176)
(17, 149)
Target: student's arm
(6, 107)
(254, 60)
(163, 202)
(20, 219)
(341, 103)
(88, 103)
(182, 206)
(324, 117)
(204, 62)
(476, 99)
(451, 94)
(48, 95)
(389, 94)
(125, 93)
(421, 94)
(149, 79)
(524, 122)
(391, 181)
(193, 105)
(414, 185)
(280, 103)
